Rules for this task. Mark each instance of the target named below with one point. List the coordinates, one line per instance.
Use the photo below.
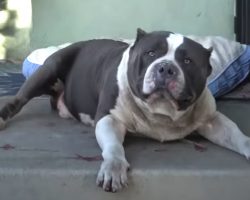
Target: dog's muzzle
(166, 79)
(164, 72)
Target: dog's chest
(162, 129)
(155, 126)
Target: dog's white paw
(112, 175)
(2, 123)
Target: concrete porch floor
(45, 157)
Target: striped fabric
(231, 75)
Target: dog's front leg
(224, 132)
(113, 172)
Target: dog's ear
(140, 34)
(210, 49)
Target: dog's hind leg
(41, 82)
(38, 84)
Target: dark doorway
(242, 21)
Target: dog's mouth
(160, 94)
(179, 104)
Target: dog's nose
(164, 71)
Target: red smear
(160, 150)
(7, 147)
(88, 158)
(197, 146)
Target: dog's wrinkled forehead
(155, 41)
(156, 46)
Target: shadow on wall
(15, 25)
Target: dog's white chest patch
(160, 129)
(140, 122)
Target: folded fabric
(37, 58)
(230, 61)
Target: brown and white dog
(155, 87)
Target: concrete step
(44, 157)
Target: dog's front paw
(2, 123)
(112, 175)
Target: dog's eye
(151, 53)
(187, 61)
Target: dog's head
(167, 65)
